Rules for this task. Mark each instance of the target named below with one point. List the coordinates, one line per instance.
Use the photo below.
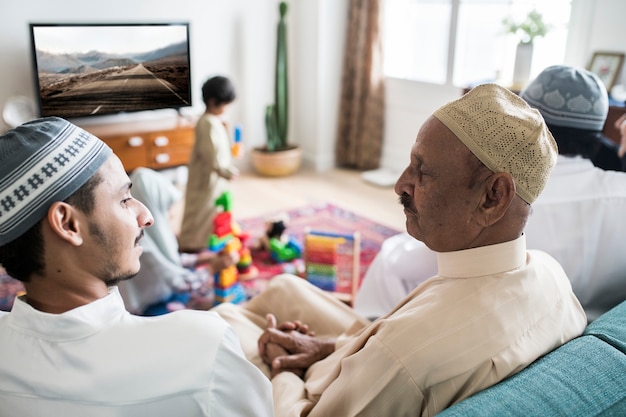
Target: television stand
(155, 144)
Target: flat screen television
(84, 70)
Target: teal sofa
(584, 377)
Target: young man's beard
(111, 273)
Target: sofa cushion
(617, 410)
(584, 377)
(611, 327)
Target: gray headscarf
(161, 270)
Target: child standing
(210, 166)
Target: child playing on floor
(210, 167)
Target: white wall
(408, 105)
(320, 40)
(599, 26)
(237, 38)
(234, 38)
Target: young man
(575, 219)
(493, 308)
(70, 230)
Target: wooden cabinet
(154, 144)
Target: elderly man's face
(441, 190)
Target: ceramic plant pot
(276, 163)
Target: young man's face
(438, 190)
(115, 226)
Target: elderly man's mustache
(406, 201)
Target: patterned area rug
(322, 217)
(325, 218)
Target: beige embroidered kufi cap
(506, 134)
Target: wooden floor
(262, 196)
(257, 196)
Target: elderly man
(493, 308)
(574, 219)
(70, 230)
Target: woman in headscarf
(166, 276)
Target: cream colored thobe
(210, 168)
(489, 313)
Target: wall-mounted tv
(83, 70)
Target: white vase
(523, 61)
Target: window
(417, 38)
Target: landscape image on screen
(97, 69)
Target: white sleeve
(240, 387)
(401, 265)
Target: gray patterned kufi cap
(42, 162)
(569, 97)
(506, 134)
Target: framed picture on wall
(607, 66)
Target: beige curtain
(361, 111)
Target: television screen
(96, 69)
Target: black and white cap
(41, 162)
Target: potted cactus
(278, 157)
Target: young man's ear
(65, 222)
(499, 191)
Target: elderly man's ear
(497, 194)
